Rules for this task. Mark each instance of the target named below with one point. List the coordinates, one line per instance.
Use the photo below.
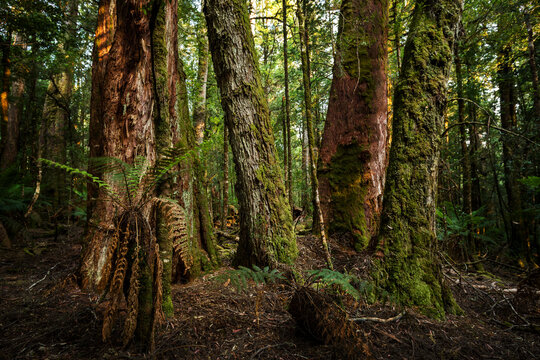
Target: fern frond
(174, 217)
(327, 277)
(239, 277)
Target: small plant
(239, 277)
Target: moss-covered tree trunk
(352, 159)
(408, 268)
(266, 231)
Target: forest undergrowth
(44, 315)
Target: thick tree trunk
(121, 123)
(352, 158)
(139, 104)
(266, 231)
(408, 268)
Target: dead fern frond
(174, 217)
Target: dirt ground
(43, 314)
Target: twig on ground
(43, 278)
(269, 347)
(379, 320)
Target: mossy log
(320, 317)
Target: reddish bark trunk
(121, 124)
(352, 159)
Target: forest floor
(44, 315)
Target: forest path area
(45, 316)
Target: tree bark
(10, 146)
(6, 85)
(318, 218)
(199, 115)
(57, 115)
(287, 122)
(517, 240)
(138, 106)
(408, 267)
(352, 158)
(266, 231)
(466, 193)
(225, 203)
(532, 65)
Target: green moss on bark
(409, 268)
(344, 173)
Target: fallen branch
(379, 320)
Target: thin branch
(490, 126)
(379, 320)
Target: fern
(327, 278)
(239, 277)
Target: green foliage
(240, 277)
(344, 282)
(454, 223)
(319, 279)
(127, 185)
(532, 182)
(14, 199)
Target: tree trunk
(225, 203)
(517, 240)
(138, 106)
(6, 84)
(352, 158)
(318, 218)
(266, 231)
(466, 193)
(199, 115)
(287, 122)
(532, 65)
(10, 146)
(306, 76)
(408, 267)
(57, 115)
